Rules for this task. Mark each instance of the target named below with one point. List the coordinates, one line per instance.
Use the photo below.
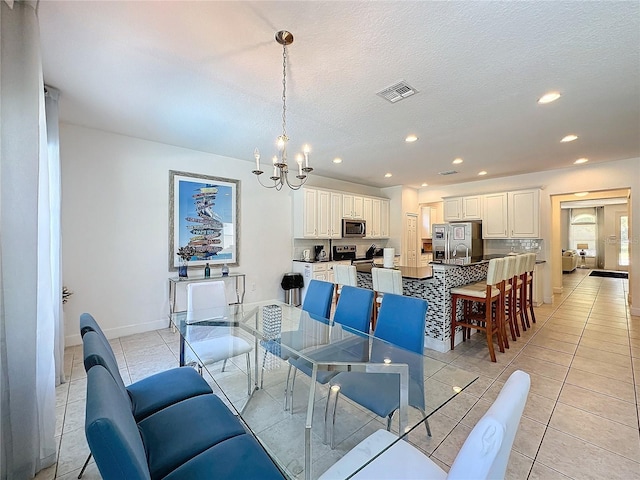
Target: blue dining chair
(353, 312)
(401, 322)
(317, 302)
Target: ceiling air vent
(397, 91)
(448, 172)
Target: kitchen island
(434, 284)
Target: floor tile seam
(603, 375)
(598, 415)
(551, 468)
(544, 359)
(594, 445)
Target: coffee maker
(320, 253)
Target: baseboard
(437, 345)
(71, 340)
(556, 290)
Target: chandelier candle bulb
(299, 160)
(256, 154)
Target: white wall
(595, 177)
(115, 211)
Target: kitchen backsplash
(522, 245)
(362, 245)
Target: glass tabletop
(292, 420)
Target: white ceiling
(208, 76)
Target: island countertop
(413, 273)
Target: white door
(622, 227)
(411, 240)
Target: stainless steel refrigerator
(457, 242)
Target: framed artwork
(203, 215)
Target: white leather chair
(344, 275)
(484, 454)
(206, 301)
(385, 280)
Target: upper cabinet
(512, 214)
(352, 206)
(318, 213)
(462, 208)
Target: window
(582, 229)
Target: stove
(344, 252)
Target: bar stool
(520, 280)
(489, 313)
(528, 302)
(508, 300)
(344, 275)
(385, 280)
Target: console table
(238, 278)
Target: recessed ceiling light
(581, 194)
(482, 172)
(457, 161)
(337, 160)
(425, 185)
(569, 138)
(410, 138)
(387, 175)
(581, 160)
(549, 97)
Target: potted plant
(185, 253)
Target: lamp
(582, 247)
(280, 175)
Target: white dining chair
(484, 454)
(344, 275)
(385, 280)
(208, 301)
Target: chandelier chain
(284, 91)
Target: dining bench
(197, 438)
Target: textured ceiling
(208, 76)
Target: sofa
(569, 261)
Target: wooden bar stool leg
(490, 332)
(454, 305)
(530, 297)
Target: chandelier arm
(266, 186)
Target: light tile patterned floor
(580, 421)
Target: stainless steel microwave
(353, 228)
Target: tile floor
(581, 417)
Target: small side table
(238, 278)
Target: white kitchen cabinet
(336, 215)
(462, 208)
(425, 259)
(512, 214)
(324, 213)
(372, 214)
(495, 221)
(384, 218)
(367, 215)
(524, 214)
(318, 213)
(352, 206)
(452, 209)
(305, 212)
(320, 271)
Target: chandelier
(281, 172)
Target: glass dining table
(260, 392)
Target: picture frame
(458, 233)
(204, 213)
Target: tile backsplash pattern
(517, 245)
(362, 245)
